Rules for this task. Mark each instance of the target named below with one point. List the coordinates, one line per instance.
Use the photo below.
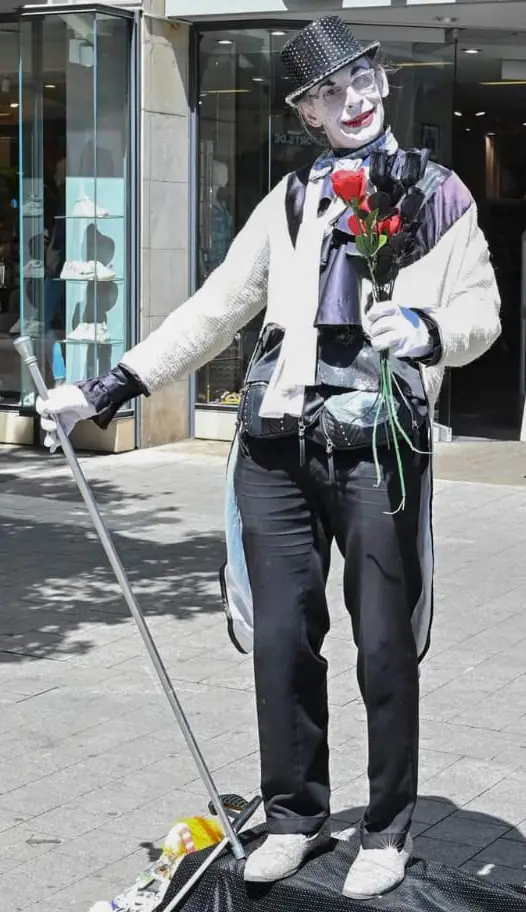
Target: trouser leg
(382, 585)
(287, 548)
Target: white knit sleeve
(468, 320)
(205, 325)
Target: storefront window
(74, 231)
(9, 213)
(249, 139)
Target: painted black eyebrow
(358, 66)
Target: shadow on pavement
(479, 843)
(56, 577)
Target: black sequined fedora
(319, 50)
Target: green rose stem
(387, 394)
(368, 243)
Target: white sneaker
(281, 855)
(86, 208)
(34, 206)
(34, 329)
(90, 332)
(34, 269)
(376, 871)
(87, 271)
(104, 273)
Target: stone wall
(164, 204)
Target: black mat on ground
(428, 887)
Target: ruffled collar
(326, 162)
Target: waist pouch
(347, 420)
(252, 424)
(343, 421)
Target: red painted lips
(360, 121)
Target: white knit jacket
(454, 283)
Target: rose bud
(380, 166)
(411, 205)
(412, 168)
(382, 202)
(350, 185)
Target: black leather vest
(346, 361)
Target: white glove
(66, 404)
(398, 329)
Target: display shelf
(89, 218)
(117, 281)
(92, 342)
(94, 300)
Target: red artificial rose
(365, 206)
(356, 226)
(390, 225)
(350, 185)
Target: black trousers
(291, 514)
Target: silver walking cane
(25, 350)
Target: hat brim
(369, 50)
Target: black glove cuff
(107, 393)
(435, 354)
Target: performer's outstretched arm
(191, 335)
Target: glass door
(489, 154)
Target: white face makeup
(348, 106)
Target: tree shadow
(57, 578)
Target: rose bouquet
(384, 224)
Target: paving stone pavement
(93, 770)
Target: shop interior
(19, 273)
(489, 154)
(9, 210)
(64, 159)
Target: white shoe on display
(34, 269)
(280, 856)
(34, 329)
(90, 332)
(34, 206)
(86, 208)
(28, 400)
(79, 270)
(376, 871)
(30, 328)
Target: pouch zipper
(301, 438)
(329, 450)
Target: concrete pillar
(164, 205)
